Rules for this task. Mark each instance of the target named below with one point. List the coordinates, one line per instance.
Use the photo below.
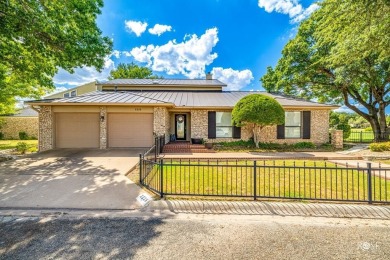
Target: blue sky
(234, 39)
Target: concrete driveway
(71, 178)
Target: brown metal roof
(178, 99)
(165, 82)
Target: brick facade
(161, 122)
(11, 126)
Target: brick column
(337, 139)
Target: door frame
(185, 127)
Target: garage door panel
(77, 130)
(130, 130)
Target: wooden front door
(180, 127)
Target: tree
(38, 37)
(257, 111)
(340, 121)
(132, 71)
(326, 62)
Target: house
(129, 112)
(24, 120)
(73, 92)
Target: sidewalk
(171, 208)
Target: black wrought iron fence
(266, 179)
(360, 137)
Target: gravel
(187, 236)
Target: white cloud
(235, 79)
(116, 54)
(136, 27)
(188, 58)
(159, 29)
(291, 7)
(85, 74)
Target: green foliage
(240, 144)
(1, 136)
(368, 129)
(23, 136)
(380, 147)
(332, 59)
(258, 109)
(22, 147)
(346, 130)
(132, 71)
(38, 37)
(304, 145)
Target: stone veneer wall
(45, 128)
(319, 129)
(161, 122)
(13, 125)
(337, 139)
(103, 128)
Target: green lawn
(11, 144)
(300, 182)
(358, 135)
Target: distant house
(129, 112)
(73, 92)
(25, 120)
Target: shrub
(346, 130)
(368, 129)
(21, 147)
(240, 143)
(304, 145)
(380, 147)
(271, 146)
(1, 136)
(23, 136)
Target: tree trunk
(255, 136)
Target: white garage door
(130, 130)
(77, 130)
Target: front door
(180, 129)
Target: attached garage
(130, 130)
(77, 130)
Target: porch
(185, 147)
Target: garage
(77, 130)
(130, 130)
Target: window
(73, 93)
(293, 125)
(66, 95)
(224, 126)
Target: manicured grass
(360, 135)
(11, 144)
(299, 179)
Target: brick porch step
(185, 147)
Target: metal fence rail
(360, 137)
(267, 179)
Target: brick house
(129, 112)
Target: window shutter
(212, 125)
(306, 117)
(280, 132)
(236, 132)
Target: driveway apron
(70, 178)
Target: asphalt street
(193, 236)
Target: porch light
(101, 118)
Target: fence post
(369, 182)
(361, 136)
(161, 178)
(155, 148)
(140, 168)
(254, 181)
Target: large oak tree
(37, 37)
(132, 71)
(341, 54)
